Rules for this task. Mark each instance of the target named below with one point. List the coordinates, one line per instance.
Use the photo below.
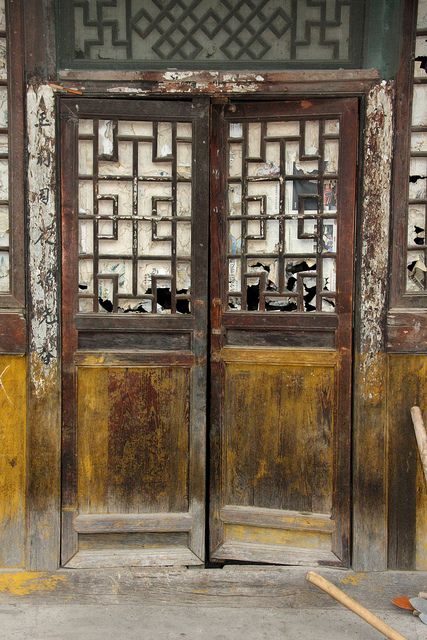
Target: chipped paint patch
(178, 75)
(354, 579)
(43, 254)
(27, 582)
(378, 149)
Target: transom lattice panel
(282, 214)
(135, 194)
(199, 33)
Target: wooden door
(283, 200)
(134, 321)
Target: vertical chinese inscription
(416, 280)
(4, 159)
(135, 191)
(42, 232)
(282, 214)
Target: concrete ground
(191, 622)
(230, 604)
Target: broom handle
(420, 433)
(354, 606)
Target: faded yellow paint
(12, 460)
(288, 411)
(353, 579)
(25, 583)
(287, 537)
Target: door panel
(135, 248)
(282, 224)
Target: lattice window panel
(135, 193)
(202, 34)
(416, 280)
(4, 162)
(283, 215)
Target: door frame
(369, 513)
(342, 451)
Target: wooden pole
(420, 433)
(354, 606)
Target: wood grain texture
(407, 487)
(12, 460)
(44, 435)
(370, 371)
(314, 540)
(274, 554)
(133, 523)
(288, 412)
(277, 519)
(233, 586)
(157, 557)
(407, 331)
(133, 440)
(130, 541)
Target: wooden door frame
(334, 330)
(85, 336)
(369, 513)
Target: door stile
(200, 249)
(134, 386)
(69, 239)
(281, 382)
(217, 233)
(342, 485)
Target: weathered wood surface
(370, 455)
(232, 586)
(13, 389)
(157, 557)
(13, 332)
(132, 522)
(407, 331)
(293, 403)
(44, 390)
(134, 385)
(277, 518)
(132, 440)
(407, 375)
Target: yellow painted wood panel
(290, 538)
(133, 438)
(12, 460)
(278, 435)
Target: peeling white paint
(378, 149)
(178, 76)
(42, 233)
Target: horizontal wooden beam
(133, 523)
(134, 358)
(407, 331)
(284, 356)
(158, 557)
(277, 519)
(275, 554)
(13, 333)
(257, 77)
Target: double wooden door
(207, 269)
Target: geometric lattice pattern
(187, 31)
(135, 216)
(283, 215)
(417, 203)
